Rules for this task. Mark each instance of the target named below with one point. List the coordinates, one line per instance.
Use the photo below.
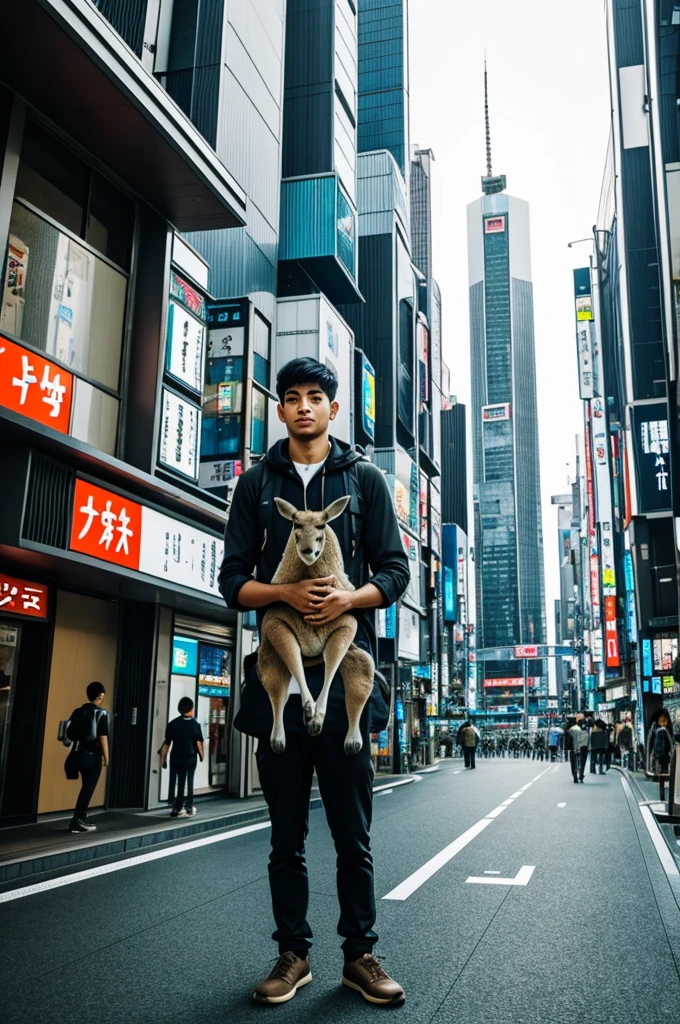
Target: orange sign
(22, 598)
(611, 635)
(106, 525)
(34, 386)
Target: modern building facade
(455, 494)
(506, 469)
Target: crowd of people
(580, 739)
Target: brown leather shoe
(290, 973)
(365, 975)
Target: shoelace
(284, 966)
(372, 964)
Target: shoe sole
(283, 999)
(395, 1001)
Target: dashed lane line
(419, 877)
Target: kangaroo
(288, 642)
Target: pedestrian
(554, 735)
(184, 740)
(663, 748)
(468, 738)
(578, 754)
(310, 469)
(88, 729)
(599, 741)
(626, 743)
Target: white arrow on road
(521, 878)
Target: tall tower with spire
(506, 468)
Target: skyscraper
(506, 472)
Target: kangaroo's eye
(319, 539)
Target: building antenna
(489, 172)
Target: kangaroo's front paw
(315, 725)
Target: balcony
(318, 231)
(80, 73)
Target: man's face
(307, 411)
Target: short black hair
(95, 690)
(185, 704)
(306, 370)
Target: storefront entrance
(10, 637)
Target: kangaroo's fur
(288, 642)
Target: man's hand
(330, 607)
(306, 595)
(105, 763)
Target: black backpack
(83, 723)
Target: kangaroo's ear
(336, 508)
(285, 508)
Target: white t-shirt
(308, 470)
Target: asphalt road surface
(588, 932)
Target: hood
(340, 456)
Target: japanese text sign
(105, 525)
(34, 386)
(19, 597)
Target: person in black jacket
(310, 470)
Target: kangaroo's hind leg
(276, 681)
(357, 671)
(335, 649)
(287, 646)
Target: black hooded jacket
(256, 536)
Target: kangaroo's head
(309, 528)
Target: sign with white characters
(180, 433)
(110, 527)
(19, 597)
(652, 457)
(34, 386)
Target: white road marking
(419, 877)
(497, 810)
(458, 771)
(492, 872)
(385, 792)
(400, 782)
(521, 878)
(664, 854)
(515, 795)
(562, 804)
(425, 771)
(131, 862)
(510, 800)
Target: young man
(184, 739)
(88, 727)
(310, 470)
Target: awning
(64, 58)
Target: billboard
(585, 333)
(652, 457)
(450, 571)
(368, 398)
(494, 225)
(496, 412)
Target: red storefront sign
(526, 651)
(106, 525)
(20, 597)
(514, 681)
(34, 386)
(611, 636)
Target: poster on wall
(652, 457)
(185, 347)
(180, 433)
(368, 398)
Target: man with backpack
(468, 738)
(310, 470)
(626, 743)
(88, 730)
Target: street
(593, 934)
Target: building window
(261, 350)
(258, 428)
(346, 233)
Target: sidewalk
(648, 793)
(27, 851)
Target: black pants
(598, 758)
(185, 777)
(90, 767)
(346, 786)
(578, 760)
(469, 757)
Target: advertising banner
(35, 387)
(112, 528)
(184, 347)
(20, 597)
(180, 434)
(368, 398)
(496, 412)
(513, 681)
(585, 338)
(494, 225)
(652, 457)
(611, 636)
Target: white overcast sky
(549, 102)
